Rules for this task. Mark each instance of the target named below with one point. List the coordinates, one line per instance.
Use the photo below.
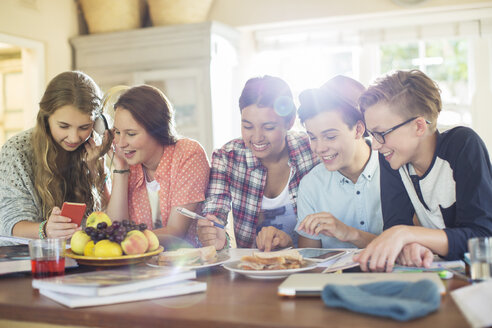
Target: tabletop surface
(231, 300)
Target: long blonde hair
(56, 182)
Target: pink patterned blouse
(182, 175)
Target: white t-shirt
(278, 212)
(153, 188)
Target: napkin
(395, 299)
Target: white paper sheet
(474, 302)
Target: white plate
(221, 259)
(269, 274)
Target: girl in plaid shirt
(258, 174)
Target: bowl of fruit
(107, 243)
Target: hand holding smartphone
(74, 211)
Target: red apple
(152, 239)
(135, 242)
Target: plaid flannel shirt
(237, 177)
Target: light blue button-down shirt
(357, 205)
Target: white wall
(51, 22)
(241, 13)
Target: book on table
(114, 281)
(167, 290)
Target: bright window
(305, 67)
(446, 62)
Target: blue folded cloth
(395, 299)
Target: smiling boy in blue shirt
(339, 200)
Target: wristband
(42, 230)
(121, 171)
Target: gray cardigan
(19, 200)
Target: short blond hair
(410, 93)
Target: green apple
(97, 217)
(78, 242)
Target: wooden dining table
(231, 300)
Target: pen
(195, 216)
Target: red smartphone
(74, 211)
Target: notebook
(311, 284)
(174, 289)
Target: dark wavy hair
(340, 93)
(270, 92)
(151, 109)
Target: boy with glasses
(436, 188)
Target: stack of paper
(118, 286)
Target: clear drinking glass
(480, 258)
(47, 257)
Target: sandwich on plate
(188, 256)
(279, 260)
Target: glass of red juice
(47, 257)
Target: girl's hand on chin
(118, 158)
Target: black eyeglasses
(379, 136)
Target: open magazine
(15, 240)
(110, 282)
(12, 240)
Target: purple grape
(116, 224)
(142, 226)
(125, 223)
(110, 230)
(102, 225)
(89, 230)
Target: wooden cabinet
(193, 64)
